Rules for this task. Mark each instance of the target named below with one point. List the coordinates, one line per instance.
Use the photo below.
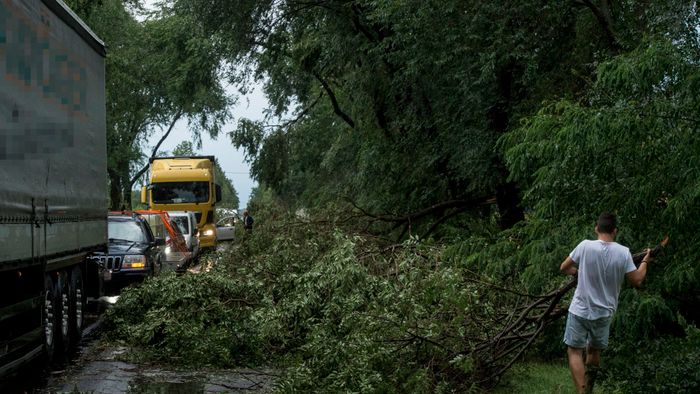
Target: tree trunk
(508, 201)
(115, 190)
(507, 193)
(126, 193)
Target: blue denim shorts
(581, 333)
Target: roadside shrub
(665, 365)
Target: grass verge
(537, 378)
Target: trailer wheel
(77, 302)
(63, 294)
(50, 317)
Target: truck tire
(50, 318)
(77, 304)
(63, 294)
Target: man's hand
(647, 256)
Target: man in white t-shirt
(601, 265)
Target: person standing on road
(247, 221)
(601, 265)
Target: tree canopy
(159, 70)
(398, 106)
(427, 110)
(478, 139)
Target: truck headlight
(208, 233)
(132, 261)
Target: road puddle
(147, 386)
(101, 369)
(103, 372)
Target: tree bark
(508, 201)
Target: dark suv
(134, 253)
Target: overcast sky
(231, 159)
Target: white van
(187, 222)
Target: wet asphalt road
(100, 369)
(97, 368)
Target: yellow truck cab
(185, 184)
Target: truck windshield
(180, 192)
(125, 230)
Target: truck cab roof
(179, 169)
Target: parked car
(175, 253)
(226, 227)
(187, 222)
(133, 251)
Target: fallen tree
(338, 311)
(501, 347)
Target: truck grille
(109, 262)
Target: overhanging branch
(334, 101)
(604, 16)
(155, 149)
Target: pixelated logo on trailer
(29, 64)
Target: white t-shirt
(601, 270)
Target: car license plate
(107, 275)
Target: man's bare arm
(568, 266)
(636, 277)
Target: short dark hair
(607, 223)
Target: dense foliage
(450, 145)
(335, 311)
(158, 71)
(659, 366)
(397, 106)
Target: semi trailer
(53, 186)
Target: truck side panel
(52, 137)
(53, 200)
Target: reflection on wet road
(101, 371)
(98, 368)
